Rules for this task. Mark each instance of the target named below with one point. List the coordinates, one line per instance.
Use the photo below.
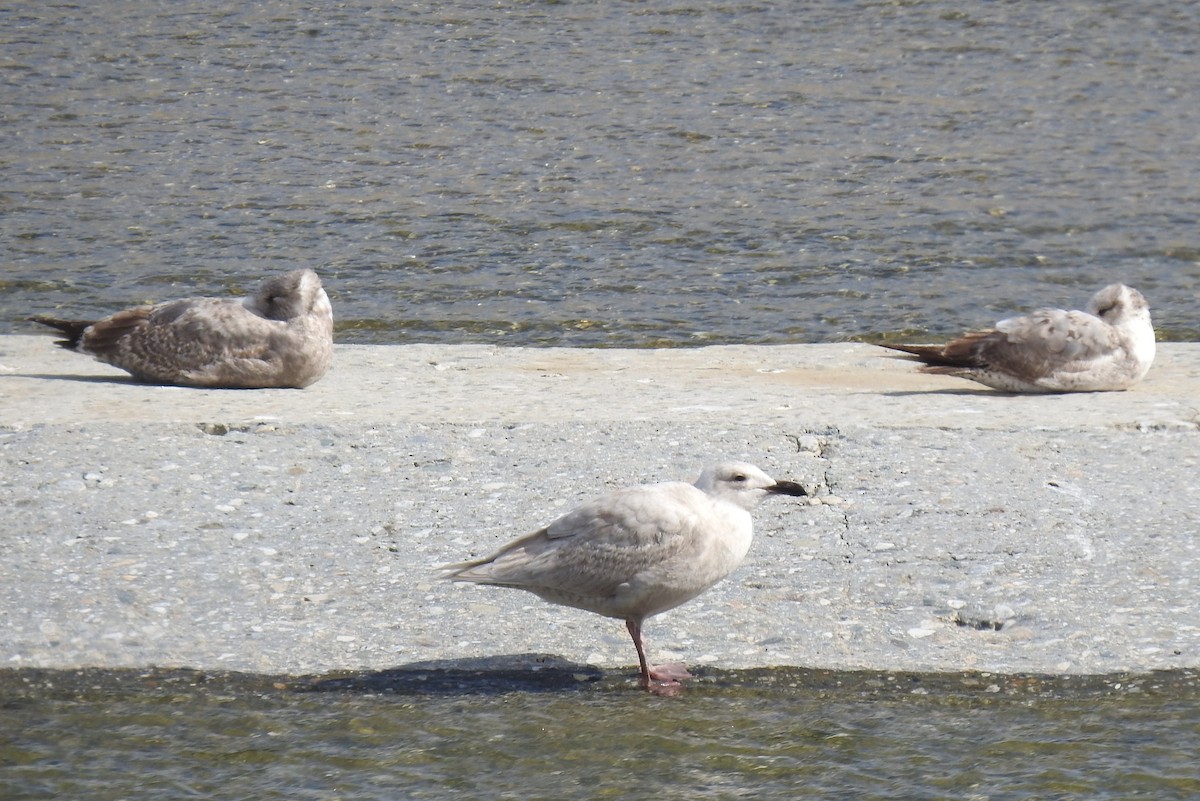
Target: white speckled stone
(297, 530)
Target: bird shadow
(965, 392)
(86, 379)
(493, 675)
(129, 381)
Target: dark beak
(786, 488)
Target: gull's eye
(739, 477)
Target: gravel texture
(296, 531)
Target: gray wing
(185, 341)
(1049, 340)
(1046, 340)
(597, 547)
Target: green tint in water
(570, 734)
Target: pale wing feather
(600, 546)
(192, 339)
(1049, 340)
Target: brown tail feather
(916, 350)
(961, 352)
(71, 329)
(929, 354)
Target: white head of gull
(637, 552)
(1110, 346)
(282, 336)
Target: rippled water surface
(765, 734)
(595, 173)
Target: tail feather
(71, 329)
(930, 355)
(920, 351)
(965, 351)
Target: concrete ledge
(285, 531)
(815, 385)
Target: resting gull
(1108, 347)
(282, 336)
(637, 552)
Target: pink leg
(658, 679)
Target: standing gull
(1108, 347)
(282, 336)
(637, 552)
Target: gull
(1110, 346)
(282, 336)
(637, 552)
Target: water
(604, 174)
(754, 734)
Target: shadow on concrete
(964, 392)
(86, 379)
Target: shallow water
(468, 734)
(605, 174)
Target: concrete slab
(295, 530)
